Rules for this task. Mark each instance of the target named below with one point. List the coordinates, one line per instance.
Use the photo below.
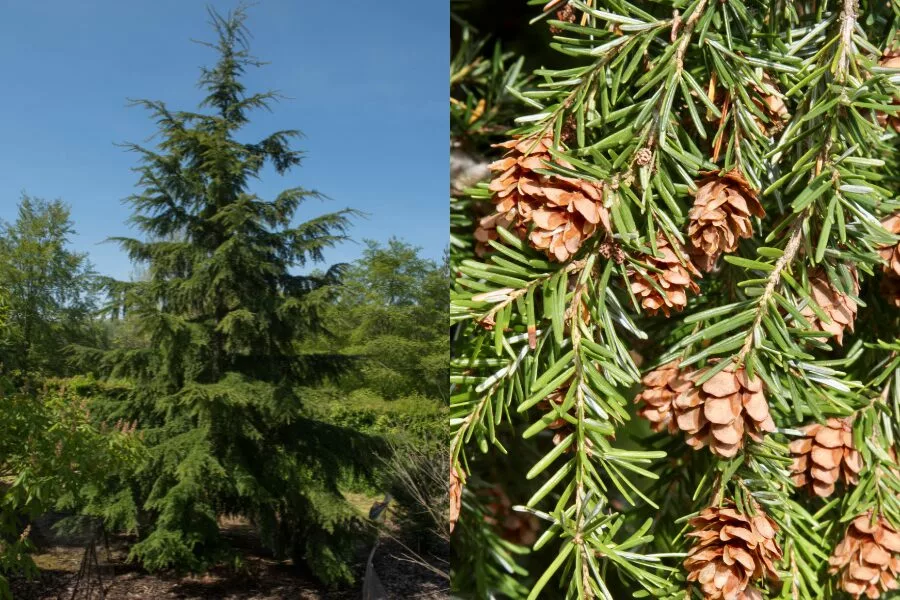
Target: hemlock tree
(50, 289)
(676, 364)
(223, 318)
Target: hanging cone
(890, 281)
(722, 410)
(772, 104)
(486, 231)
(890, 59)
(890, 288)
(667, 289)
(837, 305)
(560, 426)
(825, 455)
(720, 217)
(891, 253)
(516, 527)
(868, 558)
(564, 211)
(455, 498)
(661, 387)
(730, 550)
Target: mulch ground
(262, 577)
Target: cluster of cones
(555, 213)
(730, 550)
(720, 217)
(719, 413)
(867, 560)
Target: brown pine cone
(487, 231)
(565, 211)
(774, 103)
(564, 13)
(891, 253)
(455, 497)
(868, 558)
(824, 455)
(890, 288)
(674, 280)
(722, 410)
(890, 59)
(518, 528)
(730, 550)
(723, 205)
(561, 427)
(890, 282)
(661, 387)
(837, 305)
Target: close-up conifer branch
(676, 301)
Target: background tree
(675, 358)
(52, 457)
(225, 318)
(51, 290)
(391, 311)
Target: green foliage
(391, 312)
(484, 564)
(51, 291)
(365, 410)
(484, 86)
(217, 339)
(655, 95)
(52, 457)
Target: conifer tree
(223, 315)
(676, 367)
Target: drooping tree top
(221, 261)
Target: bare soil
(262, 577)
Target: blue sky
(367, 84)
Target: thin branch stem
(790, 251)
(686, 34)
(513, 295)
(582, 450)
(849, 15)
